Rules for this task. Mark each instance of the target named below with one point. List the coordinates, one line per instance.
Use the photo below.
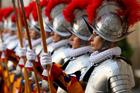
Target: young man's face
(33, 34)
(75, 41)
(12, 32)
(96, 42)
(56, 37)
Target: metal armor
(38, 49)
(56, 49)
(37, 46)
(79, 63)
(111, 76)
(12, 44)
(56, 57)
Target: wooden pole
(19, 27)
(44, 44)
(29, 42)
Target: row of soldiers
(83, 55)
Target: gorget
(70, 52)
(53, 46)
(97, 57)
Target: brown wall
(134, 40)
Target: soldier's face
(48, 34)
(5, 31)
(12, 32)
(75, 41)
(96, 42)
(56, 37)
(33, 34)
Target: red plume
(90, 5)
(34, 12)
(13, 18)
(29, 9)
(133, 11)
(68, 12)
(91, 9)
(1, 15)
(51, 4)
(7, 11)
(43, 3)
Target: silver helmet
(108, 7)
(80, 29)
(5, 23)
(46, 23)
(11, 25)
(57, 10)
(61, 26)
(109, 24)
(34, 25)
(111, 27)
(78, 14)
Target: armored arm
(120, 84)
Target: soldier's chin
(54, 40)
(94, 49)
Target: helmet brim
(66, 34)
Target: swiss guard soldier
(6, 12)
(10, 27)
(110, 73)
(77, 57)
(35, 29)
(7, 48)
(48, 31)
(35, 35)
(60, 34)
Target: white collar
(49, 40)
(53, 46)
(97, 57)
(76, 52)
(5, 36)
(36, 42)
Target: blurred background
(131, 47)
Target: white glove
(30, 54)
(45, 59)
(21, 52)
(2, 47)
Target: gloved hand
(2, 47)
(46, 59)
(21, 52)
(30, 54)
